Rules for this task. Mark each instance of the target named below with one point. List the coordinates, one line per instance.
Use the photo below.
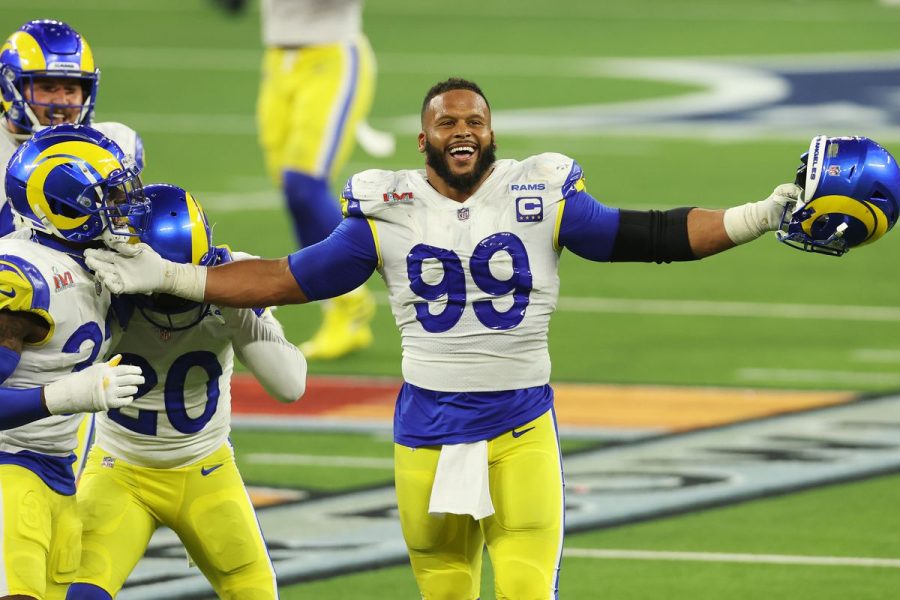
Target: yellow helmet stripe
(87, 57)
(30, 55)
(868, 214)
(199, 238)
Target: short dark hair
(454, 83)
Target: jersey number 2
(453, 284)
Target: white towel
(461, 484)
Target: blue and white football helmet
(73, 183)
(177, 231)
(851, 196)
(43, 49)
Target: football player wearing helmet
(317, 88)
(73, 188)
(48, 77)
(166, 459)
(851, 196)
(469, 249)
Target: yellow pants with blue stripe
(311, 100)
(523, 536)
(41, 536)
(205, 503)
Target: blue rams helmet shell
(44, 49)
(74, 183)
(177, 231)
(851, 196)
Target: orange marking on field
(577, 405)
(263, 496)
(678, 408)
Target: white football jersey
(472, 284)
(126, 138)
(296, 23)
(53, 285)
(182, 413)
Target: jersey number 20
(176, 412)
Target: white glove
(98, 388)
(138, 269)
(749, 221)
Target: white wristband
(742, 223)
(185, 281)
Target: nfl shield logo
(462, 214)
(108, 461)
(834, 170)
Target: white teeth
(462, 149)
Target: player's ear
(421, 141)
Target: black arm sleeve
(652, 236)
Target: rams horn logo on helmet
(71, 182)
(851, 196)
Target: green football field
(762, 316)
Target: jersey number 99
(453, 284)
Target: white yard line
(876, 355)
(772, 559)
(320, 461)
(820, 377)
(731, 309)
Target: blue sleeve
(9, 360)
(338, 264)
(588, 228)
(18, 407)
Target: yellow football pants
(41, 545)
(523, 536)
(205, 503)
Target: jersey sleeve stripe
(561, 206)
(374, 229)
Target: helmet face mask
(46, 52)
(72, 183)
(851, 196)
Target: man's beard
(435, 159)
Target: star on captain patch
(462, 214)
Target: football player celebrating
(48, 77)
(469, 249)
(166, 459)
(73, 188)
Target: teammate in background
(48, 77)
(469, 249)
(166, 459)
(317, 86)
(73, 188)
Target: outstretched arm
(340, 263)
(706, 232)
(250, 283)
(597, 232)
